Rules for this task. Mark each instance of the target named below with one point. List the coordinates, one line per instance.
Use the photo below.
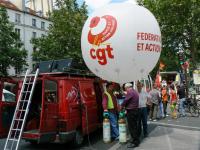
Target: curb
(175, 126)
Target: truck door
(49, 108)
(8, 100)
(89, 106)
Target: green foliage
(11, 52)
(64, 37)
(179, 21)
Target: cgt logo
(105, 51)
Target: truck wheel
(78, 138)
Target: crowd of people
(141, 105)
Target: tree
(11, 52)
(179, 22)
(64, 37)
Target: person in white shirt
(144, 97)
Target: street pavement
(168, 138)
(166, 134)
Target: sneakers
(117, 138)
(154, 120)
(131, 145)
(183, 115)
(150, 119)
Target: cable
(89, 142)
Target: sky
(94, 4)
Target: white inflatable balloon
(121, 42)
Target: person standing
(164, 99)
(144, 98)
(173, 102)
(131, 103)
(155, 98)
(181, 95)
(110, 106)
(160, 114)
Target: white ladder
(21, 111)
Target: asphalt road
(168, 138)
(167, 134)
(95, 143)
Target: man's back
(181, 92)
(154, 96)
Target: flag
(158, 79)
(161, 66)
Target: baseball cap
(127, 85)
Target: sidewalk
(167, 138)
(192, 123)
(170, 134)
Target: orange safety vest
(164, 95)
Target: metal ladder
(21, 111)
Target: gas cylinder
(106, 128)
(122, 127)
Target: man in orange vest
(165, 95)
(110, 106)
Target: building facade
(28, 24)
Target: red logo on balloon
(99, 39)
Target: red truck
(64, 107)
(8, 97)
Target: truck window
(50, 91)
(9, 90)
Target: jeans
(143, 120)
(182, 109)
(161, 113)
(114, 125)
(154, 111)
(165, 107)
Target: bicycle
(192, 106)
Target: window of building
(42, 25)
(17, 31)
(50, 25)
(34, 35)
(17, 18)
(34, 22)
(34, 49)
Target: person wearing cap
(109, 104)
(131, 103)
